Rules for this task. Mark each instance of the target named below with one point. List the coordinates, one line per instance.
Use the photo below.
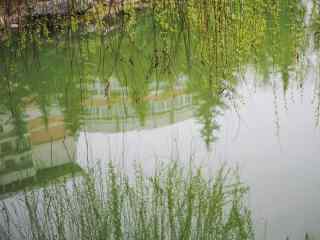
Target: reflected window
(94, 92)
(9, 164)
(23, 145)
(6, 147)
(26, 161)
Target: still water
(249, 100)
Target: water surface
(245, 94)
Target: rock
(14, 26)
(60, 7)
(2, 22)
(51, 8)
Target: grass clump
(173, 203)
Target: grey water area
(270, 136)
(269, 132)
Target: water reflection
(38, 152)
(75, 99)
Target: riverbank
(17, 16)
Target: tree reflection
(207, 44)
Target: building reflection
(46, 149)
(15, 153)
(119, 112)
(44, 153)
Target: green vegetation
(210, 44)
(172, 203)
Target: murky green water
(242, 91)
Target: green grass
(175, 202)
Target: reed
(174, 202)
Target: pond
(233, 84)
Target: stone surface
(60, 7)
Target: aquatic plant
(174, 202)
